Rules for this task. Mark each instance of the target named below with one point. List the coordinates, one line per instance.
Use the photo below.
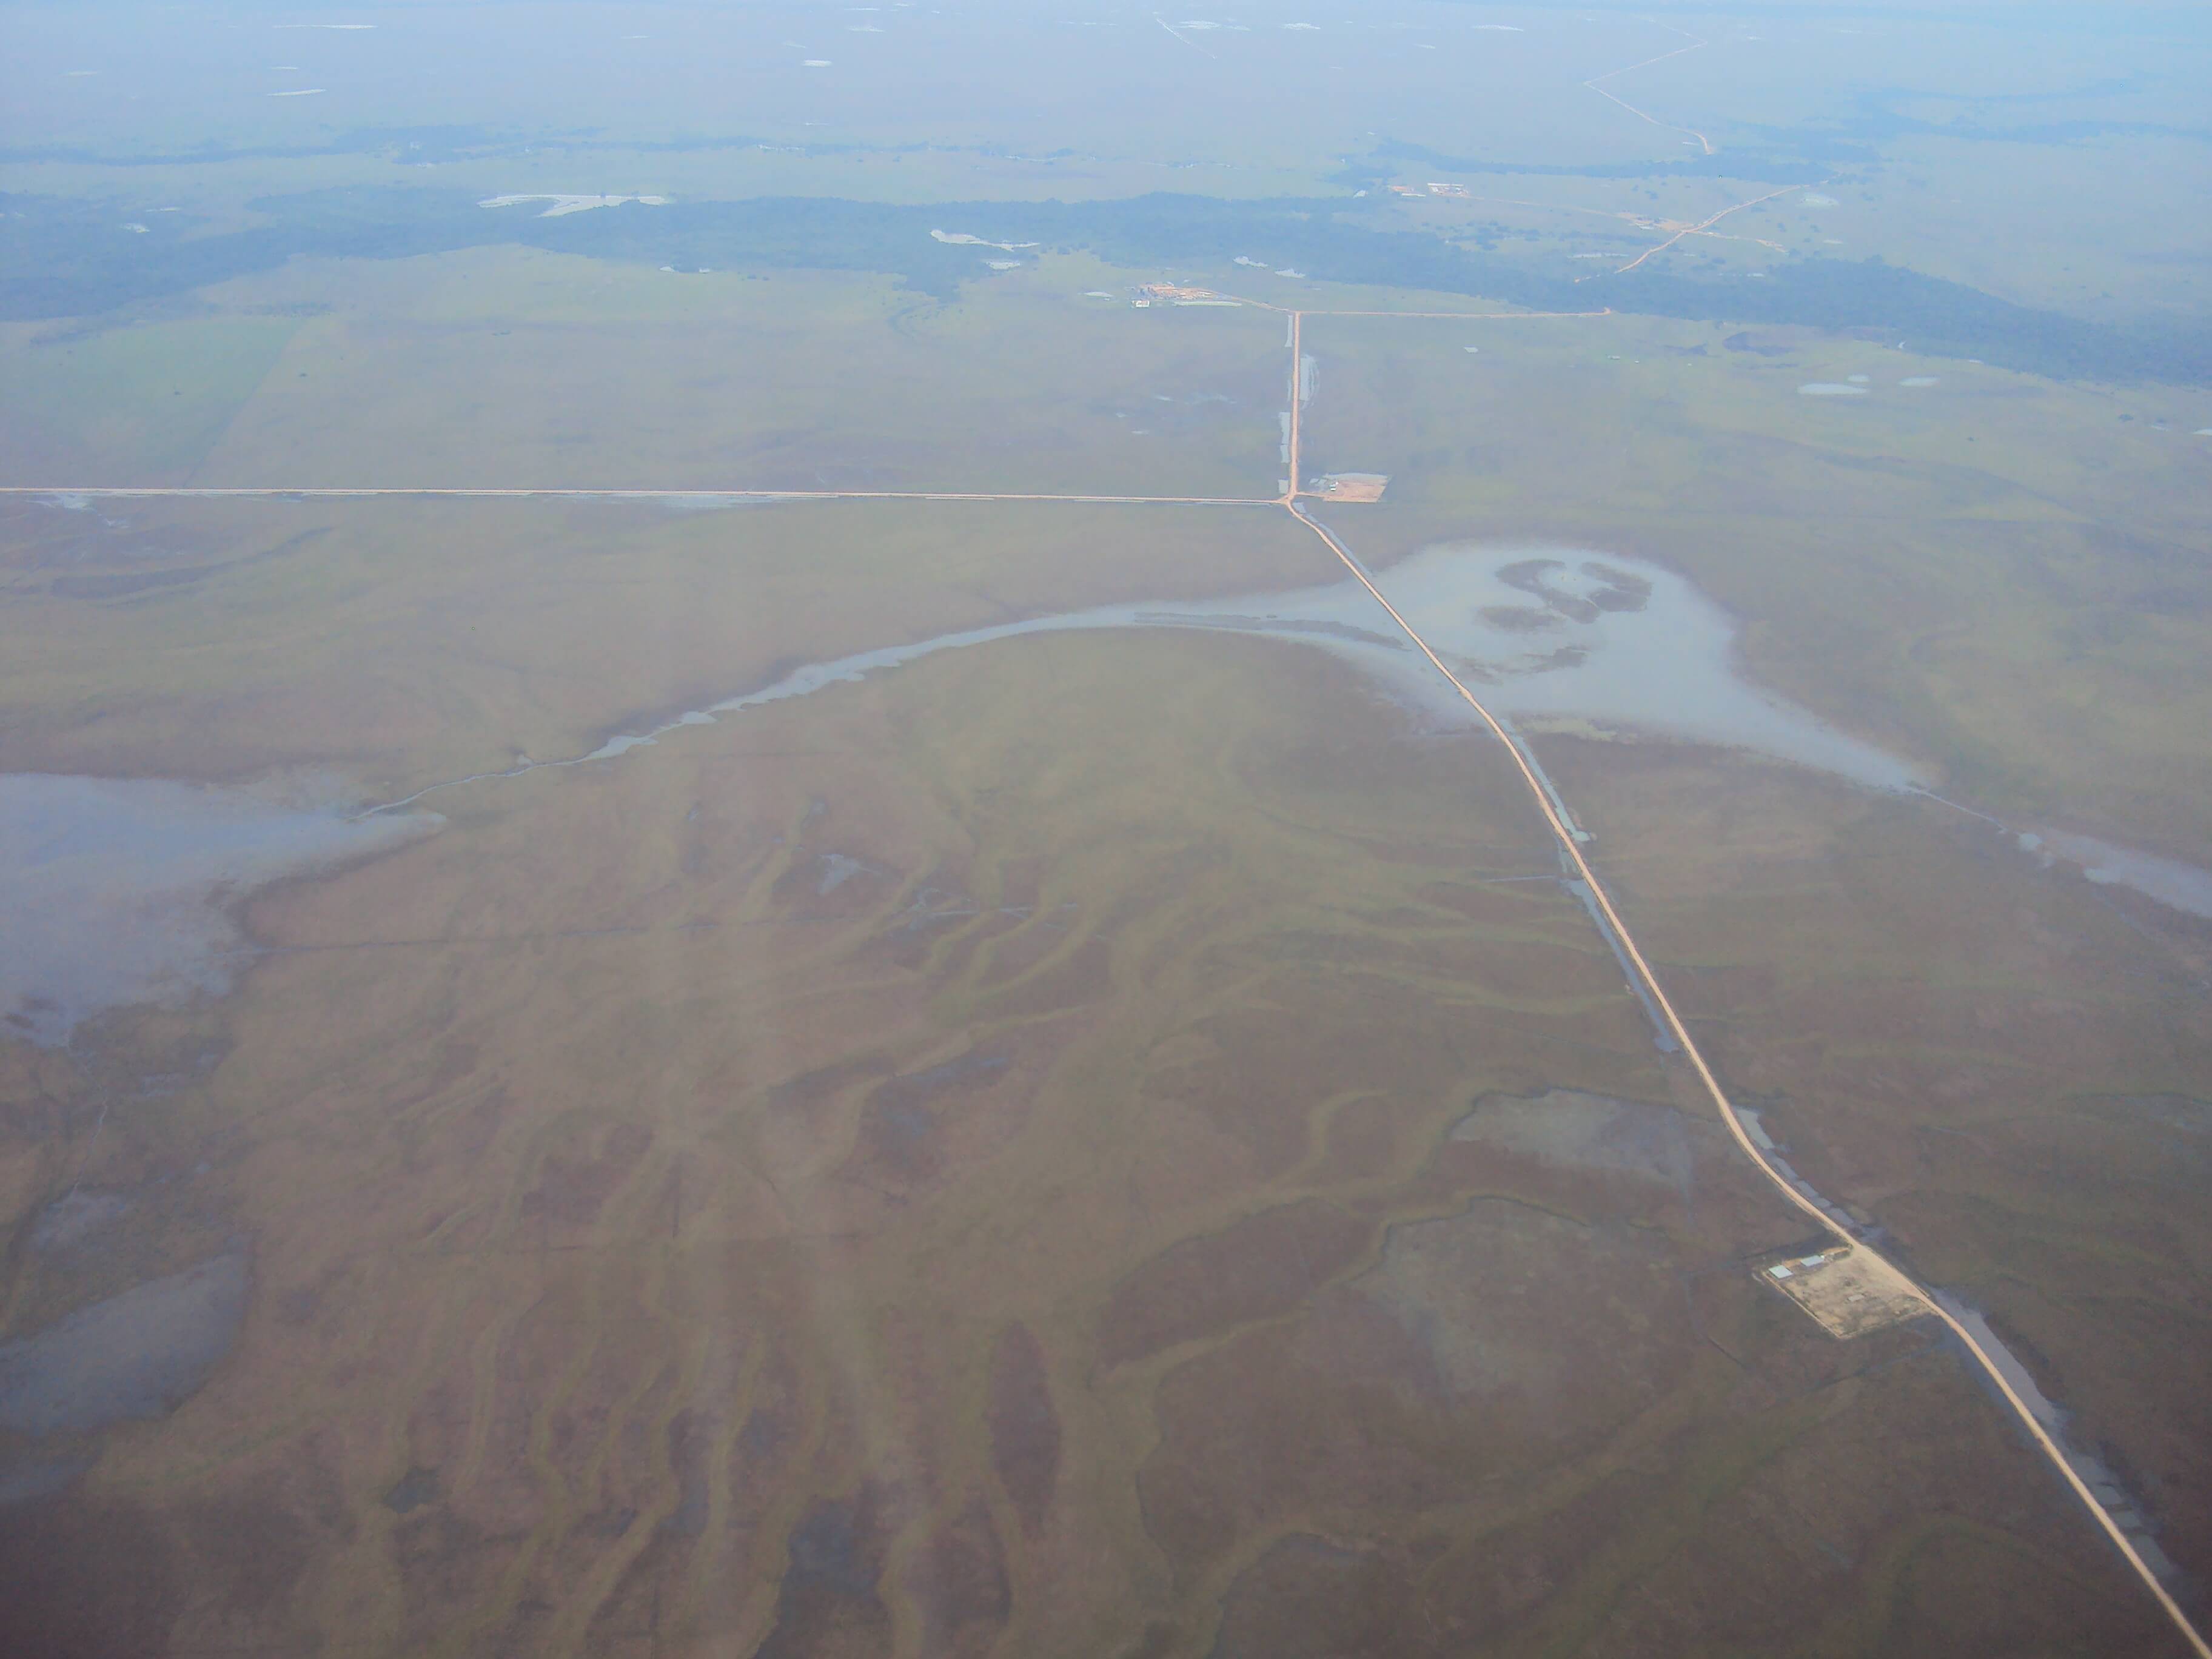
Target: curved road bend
(1721, 1103)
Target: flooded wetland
(945, 876)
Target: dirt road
(1883, 1266)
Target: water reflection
(116, 891)
(1545, 632)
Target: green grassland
(1983, 149)
(406, 641)
(145, 402)
(1991, 574)
(509, 369)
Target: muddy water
(1545, 632)
(2172, 883)
(1555, 632)
(136, 1355)
(1567, 1128)
(118, 891)
(1541, 633)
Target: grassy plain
(1992, 573)
(1032, 1152)
(1025, 1154)
(2009, 1068)
(506, 368)
(143, 402)
(405, 641)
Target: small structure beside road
(1848, 1292)
(1351, 486)
(1173, 294)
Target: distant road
(1696, 45)
(1703, 226)
(321, 492)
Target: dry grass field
(1028, 1152)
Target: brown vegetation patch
(1024, 1427)
(1079, 977)
(957, 1582)
(938, 906)
(1263, 1266)
(1492, 1342)
(87, 1581)
(1554, 1323)
(920, 1129)
(834, 884)
(572, 1186)
(1520, 619)
(1764, 345)
(1259, 1075)
(1307, 1598)
(1498, 903)
(901, 1126)
(1012, 945)
(1366, 1136)
(446, 1565)
(804, 1095)
(252, 1545)
(1534, 577)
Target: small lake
(117, 891)
(1540, 631)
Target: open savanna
(142, 401)
(2009, 1068)
(397, 642)
(1995, 574)
(1076, 1145)
(512, 367)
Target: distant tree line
(72, 259)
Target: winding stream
(118, 891)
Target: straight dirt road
(1884, 1269)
